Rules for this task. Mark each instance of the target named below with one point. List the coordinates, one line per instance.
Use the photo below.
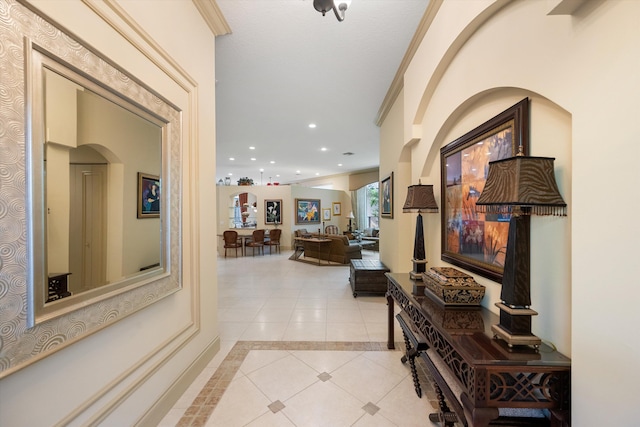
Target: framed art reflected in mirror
(148, 196)
(472, 240)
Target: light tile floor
(297, 349)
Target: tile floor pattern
(298, 350)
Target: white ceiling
(285, 65)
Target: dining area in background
(254, 239)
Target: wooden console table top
(490, 373)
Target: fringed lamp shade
(420, 198)
(525, 182)
(520, 186)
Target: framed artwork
(307, 211)
(472, 240)
(326, 214)
(148, 195)
(386, 190)
(273, 211)
(337, 209)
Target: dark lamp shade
(420, 198)
(523, 182)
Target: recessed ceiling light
(231, 158)
(312, 125)
(230, 174)
(278, 176)
(317, 173)
(272, 162)
(339, 164)
(261, 170)
(323, 149)
(253, 159)
(298, 172)
(252, 148)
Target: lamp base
(419, 267)
(515, 326)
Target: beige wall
(581, 74)
(134, 369)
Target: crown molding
(213, 16)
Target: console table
(483, 380)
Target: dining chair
(231, 241)
(274, 240)
(256, 242)
(331, 229)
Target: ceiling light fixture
(312, 125)
(339, 7)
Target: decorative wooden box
(452, 287)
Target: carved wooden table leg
(410, 355)
(390, 325)
(445, 415)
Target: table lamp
(350, 218)
(420, 199)
(521, 186)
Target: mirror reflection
(94, 153)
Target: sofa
(340, 249)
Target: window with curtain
(367, 206)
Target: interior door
(87, 236)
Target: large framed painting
(470, 239)
(148, 195)
(273, 211)
(308, 211)
(386, 190)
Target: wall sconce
(420, 199)
(521, 186)
(339, 7)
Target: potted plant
(245, 181)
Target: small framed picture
(386, 191)
(148, 195)
(326, 214)
(337, 209)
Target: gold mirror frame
(27, 335)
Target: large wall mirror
(88, 148)
(101, 184)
